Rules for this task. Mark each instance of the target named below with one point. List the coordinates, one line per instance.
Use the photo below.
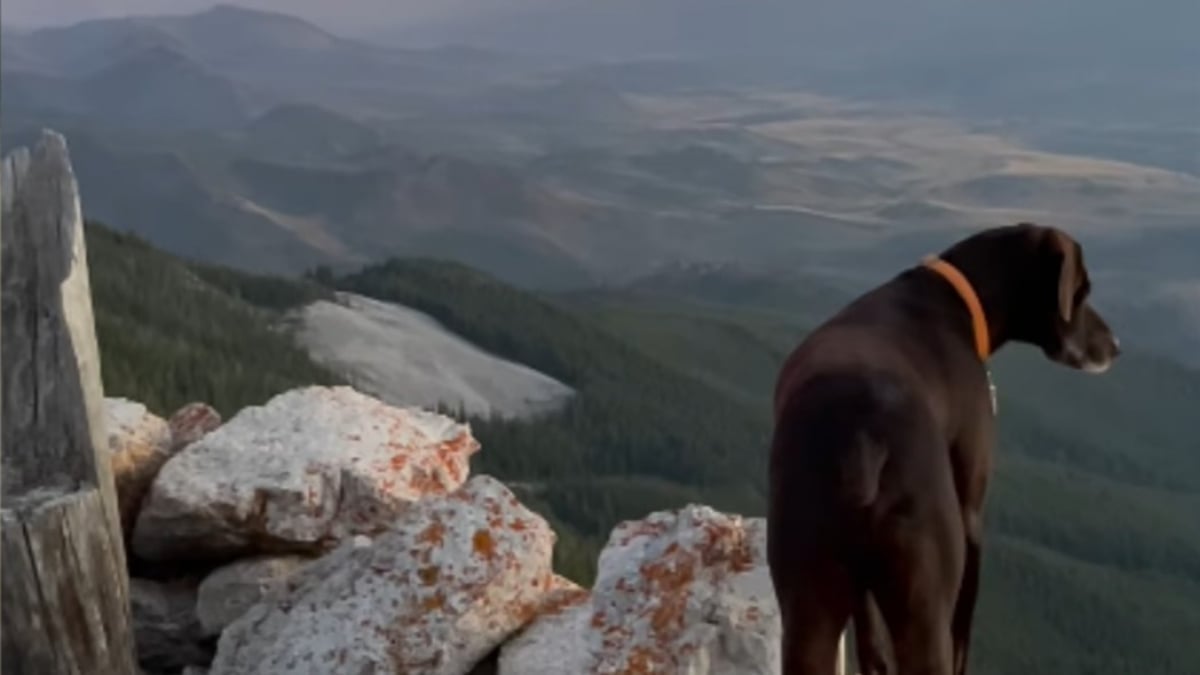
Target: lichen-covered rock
(229, 591)
(139, 444)
(555, 644)
(455, 577)
(191, 423)
(165, 627)
(308, 469)
(678, 593)
(685, 592)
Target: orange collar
(978, 319)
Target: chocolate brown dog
(883, 440)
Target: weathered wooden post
(64, 595)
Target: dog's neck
(980, 330)
(981, 326)
(991, 286)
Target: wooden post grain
(64, 593)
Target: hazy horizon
(366, 15)
(932, 34)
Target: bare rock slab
(456, 576)
(308, 469)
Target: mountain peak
(227, 11)
(235, 20)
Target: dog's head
(1058, 317)
(1045, 287)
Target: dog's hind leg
(916, 580)
(965, 607)
(812, 638)
(918, 607)
(871, 643)
(814, 612)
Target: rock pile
(326, 532)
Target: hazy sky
(339, 15)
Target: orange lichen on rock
(433, 535)
(559, 595)
(484, 545)
(399, 461)
(429, 575)
(662, 584)
(435, 602)
(425, 482)
(643, 661)
(668, 579)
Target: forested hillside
(172, 333)
(1093, 556)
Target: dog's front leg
(968, 593)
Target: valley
(550, 177)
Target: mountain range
(640, 208)
(1115, 59)
(261, 141)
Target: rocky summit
(328, 532)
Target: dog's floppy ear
(1067, 252)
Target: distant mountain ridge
(270, 58)
(218, 36)
(149, 88)
(1075, 58)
